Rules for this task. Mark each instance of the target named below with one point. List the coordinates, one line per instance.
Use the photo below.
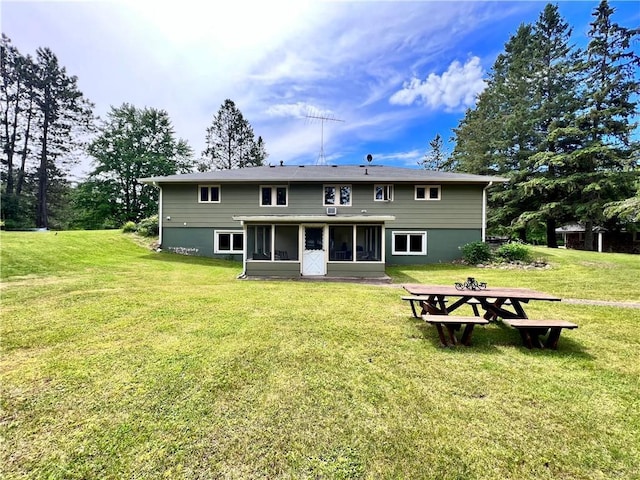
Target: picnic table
(438, 301)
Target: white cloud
(455, 89)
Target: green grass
(118, 362)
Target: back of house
(333, 221)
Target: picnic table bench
(453, 323)
(531, 331)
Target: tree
(556, 100)
(606, 167)
(230, 142)
(45, 119)
(435, 158)
(132, 144)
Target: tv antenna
(322, 160)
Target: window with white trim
(274, 196)
(337, 195)
(228, 242)
(383, 193)
(409, 243)
(208, 193)
(428, 192)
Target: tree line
(48, 126)
(559, 123)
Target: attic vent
(332, 210)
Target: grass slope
(122, 363)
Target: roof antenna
(322, 160)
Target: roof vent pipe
(281, 163)
(366, 171)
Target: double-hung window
(209, 193)
(228, 242)
(273, 196)
(383, 193)
(428, 192)
(337, 195)
(409, 243)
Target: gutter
(484, 211)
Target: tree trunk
(522, 235)
(588, 235)
(41, 213)
(551, 233)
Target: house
(334, 221)
(621, 241)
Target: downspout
(244, 252)
(160, 218)
(484, 211)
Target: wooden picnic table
(438, 301)
(496, 302)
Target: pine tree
(555, 102)
(606, 166)
(230, 141)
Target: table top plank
(489, 292)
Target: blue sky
(395, 73)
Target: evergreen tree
(606, 167)
(555, 102)
(132, 144)
(230, 141)
(435, 158)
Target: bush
(514, 252)
(129, 227)
(476, 252)
(149, 227)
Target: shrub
(514, 252)
(148, 227)
(129, 227)
(476, 252)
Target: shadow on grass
(488, 338)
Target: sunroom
(313, 246)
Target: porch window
(341, 243)
(383, 193)
(409, 243)
(208, 193)
(368, 243)
(337, 195)
(259, 242)
(228, 242)
(286, 242)
(427, 192)
(271, 195)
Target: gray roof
(325, 173)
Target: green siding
(451, 222)
(460, 206)
(443, 245)
(355, 269)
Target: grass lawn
(118, 362)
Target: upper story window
(428, 192)
(209, 193)
(383, 193)
(273, 196)
(337, 195)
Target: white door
(313, 258)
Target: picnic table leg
(466, 335)
(552, 339)
(443, 340)
(413, 308)
(526, 338)
(452, 333)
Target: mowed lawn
(119, 362)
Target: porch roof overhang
(314, 218)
